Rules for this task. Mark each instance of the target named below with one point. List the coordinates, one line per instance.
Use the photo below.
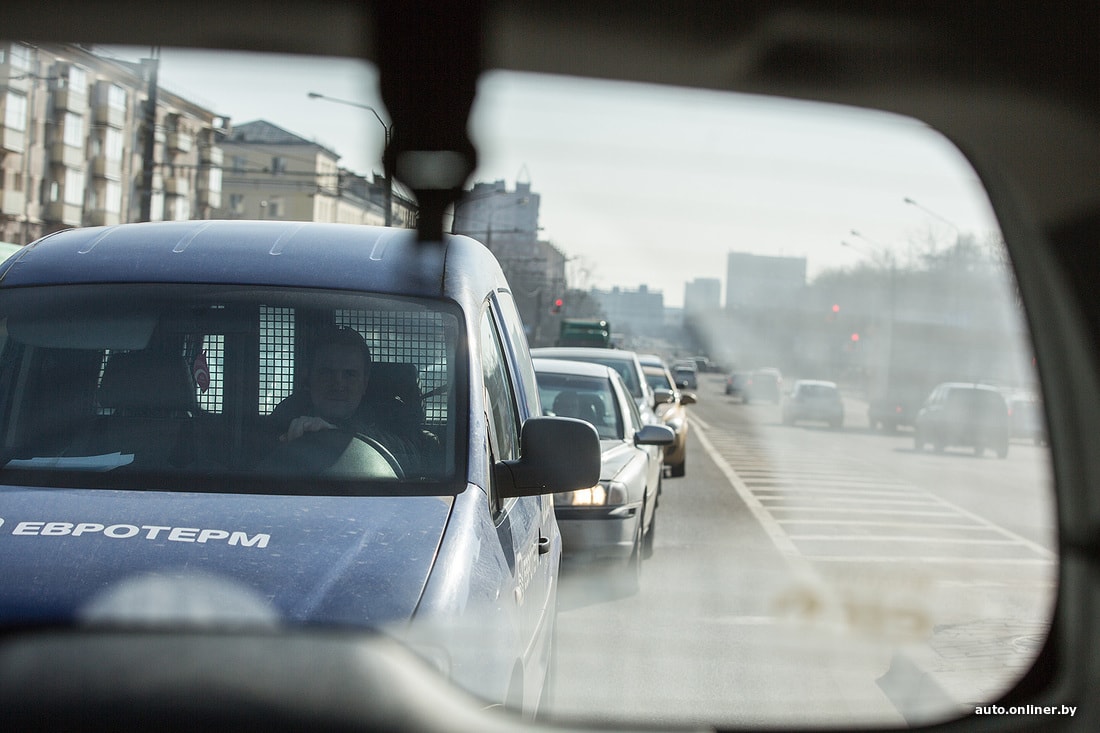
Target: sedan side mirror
(557, 454)
(654, 435)
(661, 396)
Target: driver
(335, 381)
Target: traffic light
(836, 308)
(555, 308)
(855, 337)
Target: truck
(903, 368)
(585, 332)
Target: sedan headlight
(605, 493)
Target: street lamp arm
(372, 110)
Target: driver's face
(337, 381)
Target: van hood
(163, 557)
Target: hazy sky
(643, 184)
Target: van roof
(278, 253)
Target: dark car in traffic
(239, 406)
(963, 414)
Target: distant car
(816, 401)
(894, 410)
(963, 414)
(686, 376)
(625, 362)
(612, 521)
(1025, 417)
(670, 408)
(735, 384)
(764, 384)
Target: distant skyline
(629, 172)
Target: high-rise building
(702, 294)
(758, 281)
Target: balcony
(180, 142)
(213, 199)
(12, 203)
(66, 155)
(61, 212)
(101, 218)
(73, 100)
(104, 114)
(209, 155)
(177, 187)
(104, 168)
(12, 141)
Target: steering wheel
(334, 453)
(385, 452)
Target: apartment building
(74, 149)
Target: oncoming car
(240, 405)
(611, 522)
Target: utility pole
(148, 155)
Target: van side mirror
(557, 454)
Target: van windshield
(269, 386)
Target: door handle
(544, 545)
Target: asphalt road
(803, 575)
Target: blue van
(171, 453)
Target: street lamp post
(388, 133)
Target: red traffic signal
(556, 307)
(855, 337)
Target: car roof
(276, 253)
(572, 368)
(815, 383)
(578, 351)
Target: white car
(611, 522)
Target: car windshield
(107, 386)
(890, 570)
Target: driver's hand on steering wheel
(299, 426)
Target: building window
(239, 163)
(113, 144)
(275, 208)
(15, 112)
(113, 197)
(54, 192)
(17, 181)
(74, 187)
(78, 79)
(278, 164)
(236, 203)
(20, 57)
(215, 180)
(74, 130)
(116, 97)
